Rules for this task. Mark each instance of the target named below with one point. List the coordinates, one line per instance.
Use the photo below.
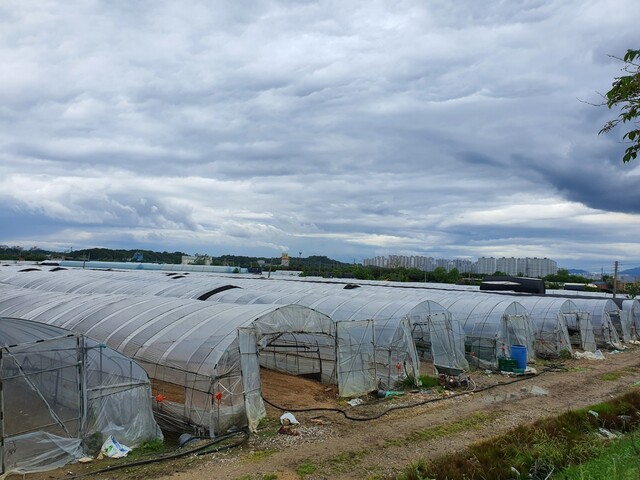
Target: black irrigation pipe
(397, 407)
(201, 450)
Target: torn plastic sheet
(114, 449)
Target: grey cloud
(318, 123)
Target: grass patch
(611, 376)
(535, 450)
(466, 424)
(270, 476)
(618, 460)
(471, 422)
(425, 381)
(346, 461)
(305, 469)
(259, 455)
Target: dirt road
(381, 448)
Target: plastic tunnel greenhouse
(78, 391)
(194, 350)
(400, 326)
(632, 307)
(491, 324)
(106, 282)
(606, 321)
(559, 324)
(435, 333)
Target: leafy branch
(625, 92)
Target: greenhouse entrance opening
(346, 359)
(517, 332)
(302, 354)
(580, 330)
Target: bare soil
(333, 447)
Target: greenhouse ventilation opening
(383, 324)
(202, 357)
(491, 323)
(63, 394)
(559, 324)
(606, 320)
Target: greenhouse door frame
(355, 357)
(251, 383)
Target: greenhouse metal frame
(632, 307)
(606, 320)
(78, 392)
(404, 329)
(559, 324)
(202, 357)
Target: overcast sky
(454, 129)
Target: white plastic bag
(114, 449)
(288, 416)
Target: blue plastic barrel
(519, 354)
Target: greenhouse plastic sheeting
(549, 315)
(491, 325)
(633, 307)
(153, 284)
(189, 348)
(604, 316)
(107, 282)
(400, 326)
(78, 392)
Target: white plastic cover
(63, 394)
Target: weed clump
(533, 451)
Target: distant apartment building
(507, 265)
(528, 267)
(486, 265)
(538, 267)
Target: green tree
(625, 92)
(440, 275)
(632, 289)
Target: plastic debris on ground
(113, 449)
(288, 424)
(535, 391)
(519, 372)
(388, 393)
(597, 355)
(287, 418)
(354, 402)
(607, 434)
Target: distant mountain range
(629, 271)
(575, 271)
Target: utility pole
(615, 278)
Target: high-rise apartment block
(528, 267)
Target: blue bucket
(519, 354)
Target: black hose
(200, 450)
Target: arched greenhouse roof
(183, 342)
(153, 329)
(632, 309)
(549, 315)
(604, 316)
(78, 392)
(389, 316)
(106, 282)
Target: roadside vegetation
(592, 443)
